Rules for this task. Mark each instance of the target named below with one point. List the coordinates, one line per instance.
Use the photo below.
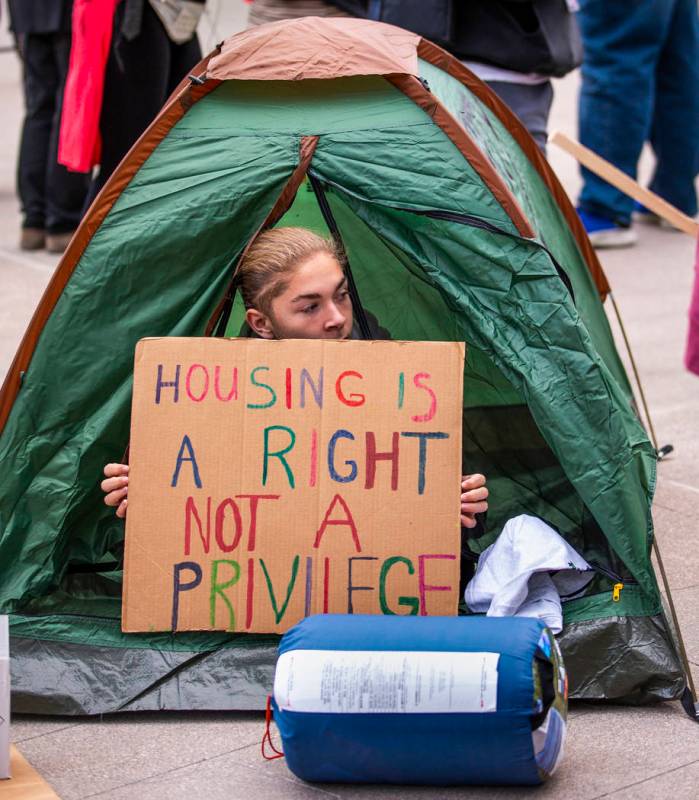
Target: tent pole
(637, 377)
(675, 621)
(656, 548)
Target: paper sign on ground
(386, 682)
(270, 480)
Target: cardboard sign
(270, 480)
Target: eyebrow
(315, 295)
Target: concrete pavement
(611, 752)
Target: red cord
(267, 738)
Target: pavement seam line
(296, 782)
(645, 780)
(47, 733)
(679, 588)
(681, 485)
(293, 779)
(676, 589)
(166, 772)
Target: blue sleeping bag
(420, 700)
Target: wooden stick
(621, 181)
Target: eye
(343, 294)
(309, 309)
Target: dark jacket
(521, 35)
(40, 16)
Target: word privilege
(347, 577)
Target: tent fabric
(278, 51)
(436, 56)
(450, 213)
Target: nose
(335, 319)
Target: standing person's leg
(65, 191)
(135, 85)
(622, 42)
(531, 103)
(182, 58)
(262, 11)
(40, 86)
(675, 131)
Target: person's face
(315, 304)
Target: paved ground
(611, 752)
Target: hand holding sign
(116, 487)
(474, 499)
(474, 496)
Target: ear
(259, 323)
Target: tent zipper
(448, 216)
(329, 219)
(618, 582)
(613, 576)
(481, 224)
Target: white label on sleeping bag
(386, 682)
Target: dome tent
(455, 228)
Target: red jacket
(79, 144)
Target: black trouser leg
(65, 191)
(183, 57)
(51, 197)
(139, 77)
(40, 86)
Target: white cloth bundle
(513, 576)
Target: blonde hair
(265, 270)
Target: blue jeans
(640, 83)
(531, 103)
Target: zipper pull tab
(616, 593)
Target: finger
(474, 495)
(474, 508)
(472, 481)
(114, 470)
(121, 511)
(468, 521)
(110, 484)
(114, 498)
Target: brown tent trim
(413, 88)
(445, 61)
(308, 48)
(307, 148)
(179, 103)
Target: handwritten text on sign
(273, 480)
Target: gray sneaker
(57, 242)
(613, 237)
(604, 232)
(32, 239)
(647, 217)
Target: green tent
(455, 228)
